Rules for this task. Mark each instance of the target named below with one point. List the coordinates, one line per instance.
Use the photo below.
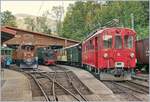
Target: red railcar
(110, 51)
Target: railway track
(72, 83)
(36, 82)
(122, 92)
(53, 84)
(139, 86)
(40, 87)
(65, 74)
(128, 90)
(141, 78)
(133, 87)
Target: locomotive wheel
(96, 71)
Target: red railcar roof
(98, 31)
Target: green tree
(41, 25)
(74, 22)
(38, 24)
(7, 19)
(30, 22)
(83, 17)
(57, 13)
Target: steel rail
(129, 81)
(125, 91)
(139, 86)
(37, 83)
(70, 80)
(61, 86)
(133, 96)
(139, 78)
(53, 87)
(127, 87)
(40, 86)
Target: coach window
(128, 40)
(107, 41)
(86, 47)
(91, 46)
(99, 42)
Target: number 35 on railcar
(111, 53)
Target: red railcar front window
(128, 40)
(107, 41)
(118, 42)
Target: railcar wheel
(99, 73)
(90, 68)
(96, 71)
(86, 67)
(93, 69)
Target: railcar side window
(118, 42)
(128, 39)
(91, 46)
(107, 41)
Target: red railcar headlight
(132, 55)
(105, 55)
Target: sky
(35, 8)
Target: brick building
(38, 39)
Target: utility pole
(132, 20)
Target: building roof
(7, 34)
(7, 30)
(43, 34)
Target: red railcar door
(96, 52)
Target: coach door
(96, 52)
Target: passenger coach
(110, 52)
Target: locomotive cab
(27, 57)
(49, 57)
(124, 54)
(119, 52)
(111, 53)
(28, 54)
